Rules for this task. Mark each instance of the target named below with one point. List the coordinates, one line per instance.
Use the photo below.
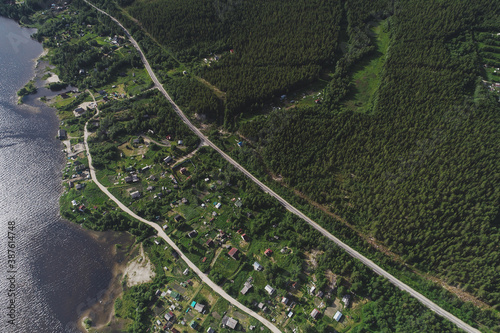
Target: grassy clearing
(367, 74)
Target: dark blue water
(59, 268)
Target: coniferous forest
(420, 172)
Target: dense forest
(422, 173)
(257, 49)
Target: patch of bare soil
(140, 270)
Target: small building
(175, 295)
(210, 330)
(311, 291)
(74, 203)
(262, 306)
(79, 111)
(135, 195)
(169, 316)
(268, 252)
(192, 234)
(193, 324)
(337, 316)
(183, 170)
(270, 290)
(186, 271)
(290, 314)
(315, 314)
(209, 242)
(320, 294)
(218, 205)
(128, 179)
(346, 299)
(175, 254)
(79, 186)
(150, 188)
(284, 300)
(257, 266)
(245, 237)
(177, 218)
(246, 288)
(234, 253)
(199, 307)
(229, 322)
(167, 159)
(61, 134)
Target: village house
(169, 316)
(337, 316)
(262, 306)
(177, 218)
(199, 307)
(229, 322)
(192, 234)
(135, 195)
(79, 111)
(234, 253)
(209, 242)
(270, 290)
(167, 159)
(268, 252)
(246, 288)
(257, 266)
(315, 314)
(245, 237)
(61, 134)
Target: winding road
(421, 298)
(170, 242)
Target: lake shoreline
(100, 309)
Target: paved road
(163, 235)
(424, 300)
